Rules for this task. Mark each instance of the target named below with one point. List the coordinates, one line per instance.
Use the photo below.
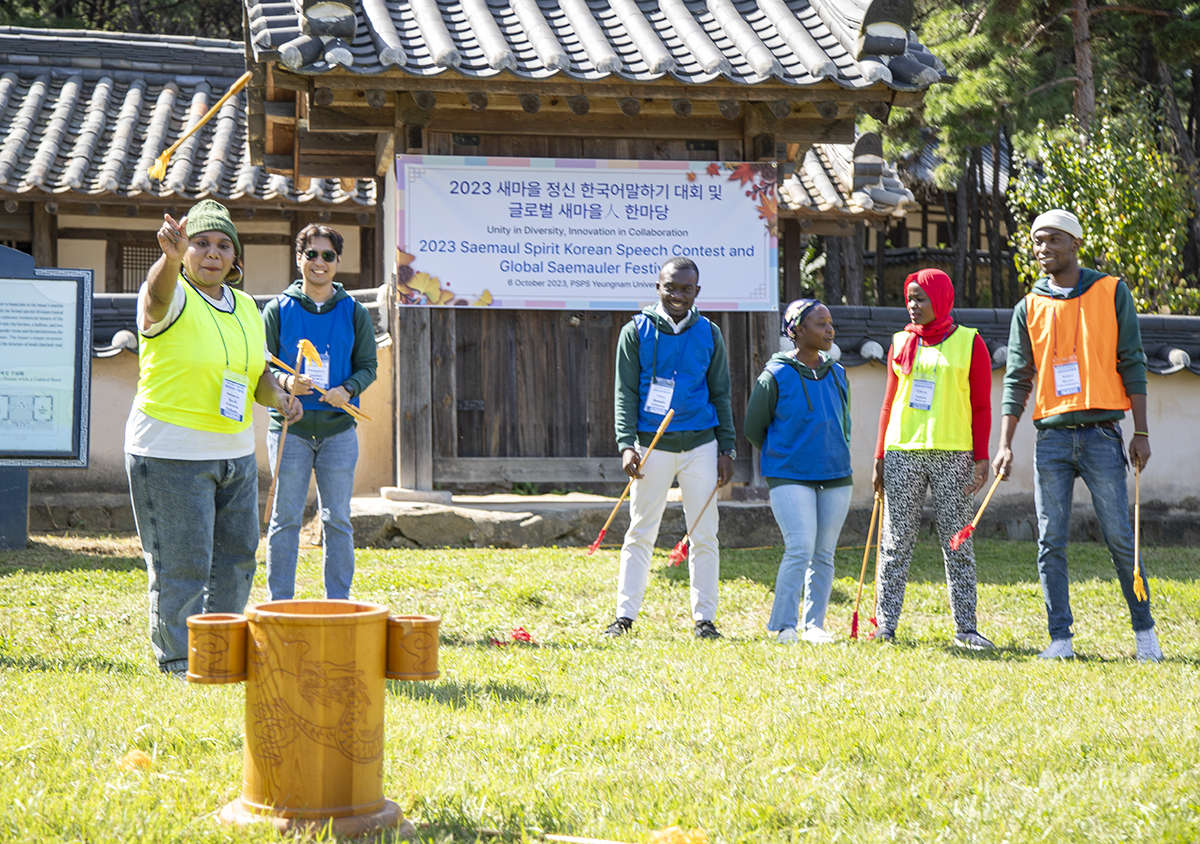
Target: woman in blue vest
(189, 444)
(325, 443)
(799, 417)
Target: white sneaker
(786, 636)
(817, 636)
(1059, 649)
(1147, 646)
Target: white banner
(579, 234)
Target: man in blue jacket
(325, 442)
(671, 357)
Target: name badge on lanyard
(234, 389)
(658, 397)
(319, 375)
(1066, 378)
(921, 397)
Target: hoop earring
(240, 276)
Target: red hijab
(940, 290)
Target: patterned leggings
(906, 475)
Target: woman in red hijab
(933, 434)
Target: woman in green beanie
(189, 447)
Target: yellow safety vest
(181, 370)
(946, 426)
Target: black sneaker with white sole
(705, 629)
(619, 627)
(972, 641)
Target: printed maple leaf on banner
(713, 170)
(743, 173)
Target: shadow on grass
(464, 695)
(93, 664)
(84, 556)
(997, 562)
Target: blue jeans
(810, 520)
(198, 523)
(333, 459)
(1097, 455)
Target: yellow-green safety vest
(946, 426)
(181, 370)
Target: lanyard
(220, 333)
(654, 362)
(917, 359)
(1078, 320)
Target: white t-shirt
(146, 436)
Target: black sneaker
(618, 628)
(705, 629)
(882, 635)
(973, 641)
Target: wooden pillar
(790, 253)
(880, 241)
(45, 236)
(412, 345)
(112, 267)
(414, 388)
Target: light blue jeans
(1097, 455)
(333, 459)
(810, 520)
(198, 523)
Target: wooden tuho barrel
(314, 709)
(216, 648)
(412, 651)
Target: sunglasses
(327, 255)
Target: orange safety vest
(1085, 329)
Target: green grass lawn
(753, 742)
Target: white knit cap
(1056, 218)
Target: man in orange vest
(1078, 333)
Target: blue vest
(331, 331)
(808, 438)
(683, 358)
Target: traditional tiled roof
(918, 169)
(1172, 343)
(852, 43)
(845, 179)
(84, 114)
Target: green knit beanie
(207, 215)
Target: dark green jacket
(318, 424)
(1019, 375)
(628, 382)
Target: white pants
(697, 473)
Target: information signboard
(582, 234)
(45, 368)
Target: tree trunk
(1183, 146)
(973, 241)
(1010, 223)
(1085, 87)
(999, 300)
(833, 270)
(880, 258)
(961, 238)
(852, 265)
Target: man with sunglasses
(317, 309)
